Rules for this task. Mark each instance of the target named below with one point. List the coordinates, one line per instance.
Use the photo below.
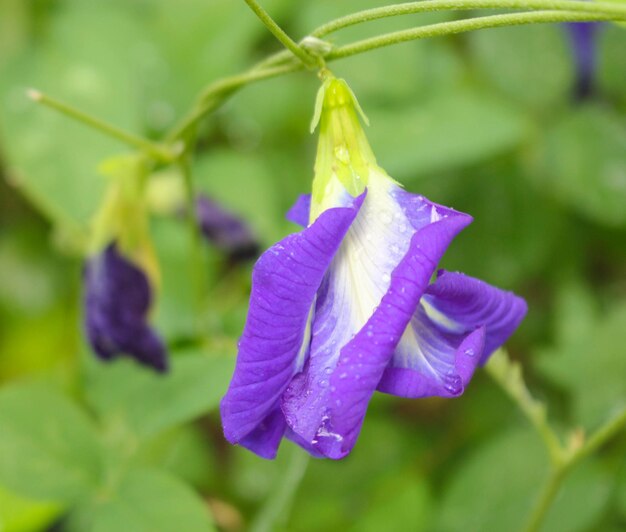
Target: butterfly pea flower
(583, 37)
(226, 231)
(346, 306)
(117, 298)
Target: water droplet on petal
(470, 352)
(386, 217)
(328, 371)
(323, 383)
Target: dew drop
(323, 383)
(470, 352)
(386, 277)
(386, 217)
(369, 334)
(328, 371)
(342, 153)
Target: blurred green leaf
(451, 130)
(22, 515)
(588, 359)
(225, 174)
(52, 158)
(399, 503)
(186, 452)
(582, 162)
(497, 484)
(48, 447)
(532, 64)
(146, 403)
(612, 61)
(151, 501)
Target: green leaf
(582, 162)
(400, 502)
(497, 485)
(612, 62)
(48, 448)
(588, 359)
(23, 515)
(449, 131)
(50, 157)
(151, 501)
(532, 64)
(146, 404)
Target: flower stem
(279, 33)
(460, 26)
(445, 5)
(276, 65)
(277, 506)
(154, 150)
(508, 376)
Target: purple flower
(225, 230)
(345, 307)
(117, 299)
(583, 41)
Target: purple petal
(325, 404)
(225, 231)
(299, 212)
(459, 323)
(274, 340)
(117, 299)
(469, 303)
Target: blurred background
(493, 123)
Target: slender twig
(461, 26)
(215, 94)
(508, 376)
(157, 152)
(279, 33)
(424, 6)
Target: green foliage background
(484, 122)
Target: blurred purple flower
(117, 298)
(225, 231)
(583, 37)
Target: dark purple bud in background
(583, 38)
(226, 231)
(117, 297)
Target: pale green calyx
(344, 158)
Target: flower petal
(225, 230)
(275, 340)
(299, 212)
(117, 299)
(459, 323)
(365, 303)
(467, 303)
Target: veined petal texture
(275, 340)
(365, 303)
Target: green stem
(215, 94)
(604, 8)
(600, 437)
(546, 498)
(508, 375)
(280, 34)
(157, 152)
(196, 265)
(460, 26)
(277, 506)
